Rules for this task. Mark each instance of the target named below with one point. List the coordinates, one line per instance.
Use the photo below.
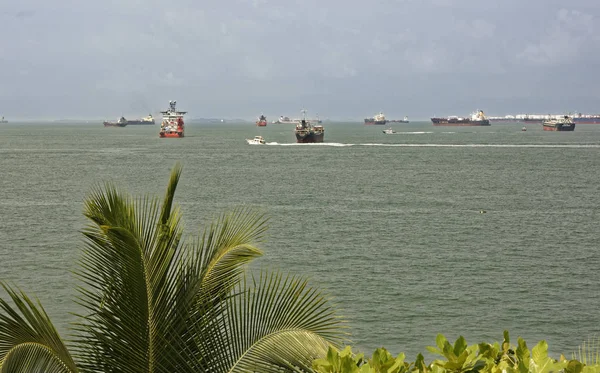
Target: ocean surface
(460, 231)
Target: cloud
(107, 53)
(565, 38)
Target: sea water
(460, 231)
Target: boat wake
(310, 144)
(412, 133)
(336, 144)
(597, 146)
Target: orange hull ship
(262, 121)
(172, 124)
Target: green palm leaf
(28, 340)
(154, 304)
(136, 302)
(278, 324)
(146, 292)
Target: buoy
(482, 211)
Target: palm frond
(226, 247)
(589, 352)
(131, 266)
(29, 341)
(279, 324)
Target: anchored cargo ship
(404, 120)
(477, 119)
(286, 120)
(262, 121)
(121, 122)
(307, 133)
(377, 119)
(145, 120)
(562, 124)
(172, 124)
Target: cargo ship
(145, 120)
(562, 124)
(377, 119)
(404, 120)
(587, 118)
(172, 124)
(121, 122)
(287, 120)
(2, 120)
(262, 121)
(477, 119)
(307, 133)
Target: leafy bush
(460, 358)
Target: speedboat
(257, 140)
(524, 129)
(389, 131)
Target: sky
(340, 59)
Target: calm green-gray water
(460, 231)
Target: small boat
(257, 140)
(524, 129)
(3, 120)
(389, 131)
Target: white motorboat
(257, 140)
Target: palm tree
(153, 303)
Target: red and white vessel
(262, 121)
(172, 124)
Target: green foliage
(346, 362)
(589, 352)
(457, 357)
(154, 303)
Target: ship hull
(261, 123)
(310, 137)
(140, 122)
(459, 122)
(112, 124)
(559, 127)
(171, 134)
(375, 122)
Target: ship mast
(304, 122)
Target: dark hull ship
(566, 123)
(307, 133)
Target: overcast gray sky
(339, 58)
